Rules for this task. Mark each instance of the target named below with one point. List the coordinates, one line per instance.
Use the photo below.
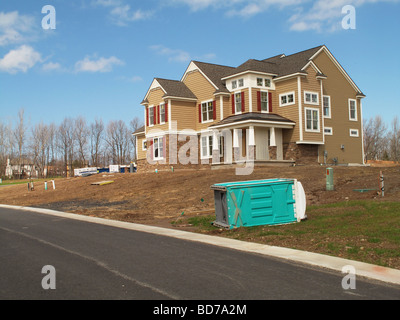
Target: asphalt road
(94, 261)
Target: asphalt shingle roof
(176, 88)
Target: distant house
(301, 108)
(23, 170)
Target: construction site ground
(162, 198)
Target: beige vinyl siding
(185, 114)
(340, 91)
(311, 84)
(204, 91)
(290, 112)
(141, 154)
(155, 98)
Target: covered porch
(254, 137)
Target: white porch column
(272, 137)
(251, 136)
(236, 138)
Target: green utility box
(258, 202)
(329, 179)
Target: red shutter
(166, 112)
(199, 112)
(158, 114)
(259, 100)
(214, 110)
(242, 101)
(233, 104)
(147, 116)
(269, 101)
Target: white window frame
(262, 82)
(354, 135)
(144, 145)
(241, 83)
(287, 94)
(150, 119)
(234, 84)
(160, 154)
(266, 80)
(329, 107)
(305, 120)
(209, 145)
(330, 129)
(355, 110)
(162, 114)
(311, 93)
(236, 108)
(266, 92)
(207, 112)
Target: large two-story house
(301, 108)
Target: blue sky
(102, 56)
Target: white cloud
(51, 66)
(325, 15)
(99, 65)
(20, 60)
(16, 28)
(122, 14)
(319, 15)
(178, 55)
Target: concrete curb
(333, 263)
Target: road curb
(371, 271)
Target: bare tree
(40, 146)
(81, 133)
(375, 142)
(117, 140)
(65, 137)
(134, 125)
(96, 138)
(394, 140)
(19, 135)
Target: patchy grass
(363, 230)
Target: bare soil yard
(165, 197)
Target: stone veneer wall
(301, 153)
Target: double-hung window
(238, 102)
(327, 106)
(206, 146)
(207, 111)
(158, 148)
(151, 115)
(162, 113)
(264, 100)
(352, 110)
(312, 119)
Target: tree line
(74, 143)
(381, 142)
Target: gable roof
(277, 66)
(175, 88)
(171, 88)
(215, 73)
